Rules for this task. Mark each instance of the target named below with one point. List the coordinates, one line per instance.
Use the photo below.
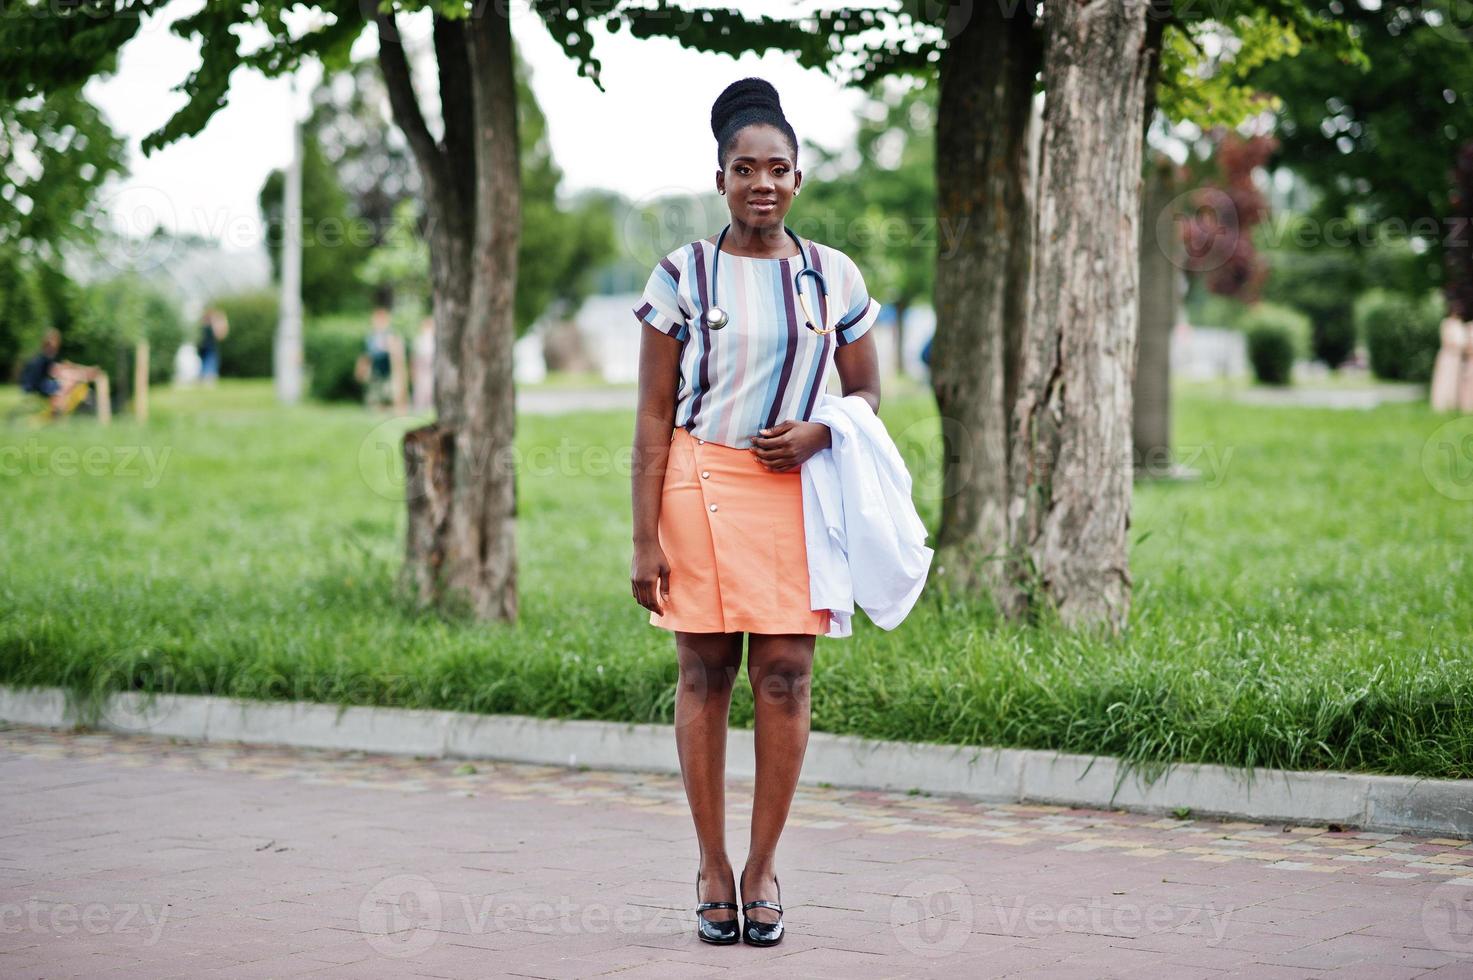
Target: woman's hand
(649, 574)
(787, 445)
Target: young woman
(737, 342)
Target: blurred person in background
(212, 331)
(1465, 376)
(62, 383)
(1447, 370)
(380, 367)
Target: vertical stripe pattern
(765, 366)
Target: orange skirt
(732, 531)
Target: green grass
(1307, 604)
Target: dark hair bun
(747, 102)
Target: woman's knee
(781, 670)
(709, 661)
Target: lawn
(1306, 604)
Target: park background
(1302, 597)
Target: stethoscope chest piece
(715, 317)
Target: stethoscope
(715, 317)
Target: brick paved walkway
(128, 856)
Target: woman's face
(759, 178)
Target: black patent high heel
(764, 933)
(722, 933)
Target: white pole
(140, 382)
(287, 361)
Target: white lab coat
(866, 543)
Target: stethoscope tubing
(714, 317)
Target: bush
(1395, 267)
(1321, 285)
(1402, 334)
(107, 319)
(331, 348)
(247, 350)
(1334, 337)
(330, 355)
(165, 333)
(1207, 309)
(1284, 318)
(1271, 352)
(24, 315)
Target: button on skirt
(732, 531)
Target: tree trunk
(983, 192)
(460, 547)
(1160, 275)
(1071, 465)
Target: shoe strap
(715, 905)
(760, 903)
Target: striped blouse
(765, 366)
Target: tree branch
(457, 107)
(405, 105)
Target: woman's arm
(654, 420)
(859, 369)
(787, 445)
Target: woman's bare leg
(708, 668)
(780, 668)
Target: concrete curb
(1387, 804)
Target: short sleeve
(660, 305)
(860, 309)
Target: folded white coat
(866, 543)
